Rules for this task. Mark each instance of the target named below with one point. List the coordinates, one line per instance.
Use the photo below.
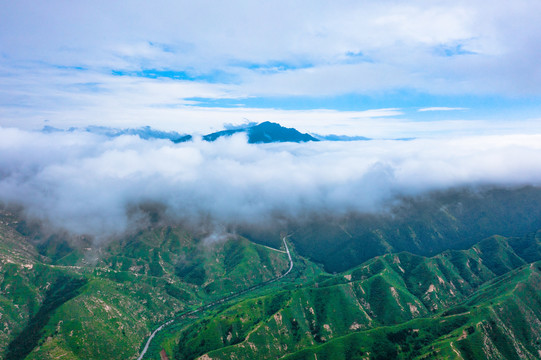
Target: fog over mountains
(270, 179)
(91, 183)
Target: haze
(92, 184)
(461, 78)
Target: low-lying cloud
(91, 184)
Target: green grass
(61, 291)
(371, 314)
(392, 306)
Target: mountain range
(265, 132)
(452, 275)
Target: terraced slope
(501, 321)
(113, 296)
(393, 301)
(56, 298)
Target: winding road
(204, 307)
(290, 260)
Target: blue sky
(352, 67)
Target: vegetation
(132, 286)
(428, 225)
(64, 289)
(395, 306)
(59, 295)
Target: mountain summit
(265, 132)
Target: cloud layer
(141, 63)
(90, 184)
(474, 46)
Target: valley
(222, 300)
(262, 180)
(166, 289)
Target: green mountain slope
(385, 298)
(114, 295)
(423, 225)
(73, 300)
(500, 322)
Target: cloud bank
(170, 63)
(91, 184)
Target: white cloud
(441, 108)
(56, 68)
(207, 36)
(57, 60)
(90, 184)
(33, 98)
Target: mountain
(265, 132)
(144, 132)
(56, 300)
(447, 276)
(480, 303)
(424, 225)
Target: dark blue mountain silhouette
(266, 132)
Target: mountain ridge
(383, 309)
(257, 133)
(265, 132)
(402, 303)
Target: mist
(99, 186)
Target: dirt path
(456, 351)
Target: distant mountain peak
(265, 132)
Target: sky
(381, 69)
(460, 79)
